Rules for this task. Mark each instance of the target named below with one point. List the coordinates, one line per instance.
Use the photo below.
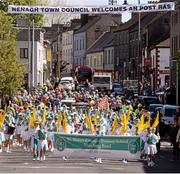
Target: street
(21, 162)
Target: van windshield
(102, 80)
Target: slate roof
(104, 40)
(130, 23)
(90, 23)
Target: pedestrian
(173, 136)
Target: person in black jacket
(173, 134)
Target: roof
(104, 40)
(131, 22)
(89, 24)
(145, 20)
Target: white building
(32, 56)
(79, 48)
(160, 61)
(67, 47)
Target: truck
(102, 80)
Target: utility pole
(139, 49)
(29, 51)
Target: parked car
(153, 108)
(168, 113)
(147, 100)
(117, 89)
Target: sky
(125, 16)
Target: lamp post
(139, 48)
(139, 45)
(177, 81)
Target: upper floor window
(24, 53)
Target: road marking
(44, 167)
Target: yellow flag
(59, 121)
(89, 123)
(2, 118)
(124, 124)
(31, 122)
(33, 118)
(65, 123)
(114, 126)
(128, 114)
(91, 126)
(34, 114)
(156, 121)
(44, 116)
(147, 124)
(141, 123)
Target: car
(154, 108)
(147, 100)
(70, 80)
(117, 89)
(66, 85)
(168, 113)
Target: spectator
(173, 136)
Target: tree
(38, 18)
(11, 71)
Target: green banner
(112, 143)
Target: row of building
(142, 48)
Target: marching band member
(34, 139)
(150, 146)
(42, 142)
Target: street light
(125, 2)
(177, 81)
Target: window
(80, 45)
(176, 18)
(172, 42)
(95, 62)
(112, 58)
(101, 60)
(23, 53)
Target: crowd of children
(31, 120)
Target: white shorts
(8, 136)
(18, 130)
(25, 135)
(42, 144)
(150, 149)
(50, 136)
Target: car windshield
(64, 82)
(152, 100)
(117, 86)
(170, 112)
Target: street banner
(89, 146)
(167, 6)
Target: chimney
(84, 19)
